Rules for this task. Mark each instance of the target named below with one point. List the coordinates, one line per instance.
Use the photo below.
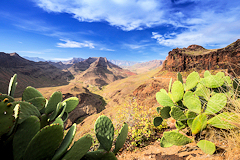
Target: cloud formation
(74, 44)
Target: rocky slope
(199, 58)
(145, 66)
(98, 71)
(36, 74)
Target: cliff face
(197, 57)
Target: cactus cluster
(104, 131)
(34, 128)
(196, 104)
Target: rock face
(36, 74)
(98, 71)
(89, 104)
(197, 57)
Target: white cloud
(74, 44)
(127, 15)
(107, 49)
(61, 59)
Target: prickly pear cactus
(12, 85)
(121, 138)
(104, 132)
(6, 116)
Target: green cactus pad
(27, 110)
(220, 74)
(56, 112)
(176, 138)
(30, 93)
(177, 114)
(25, 132)
(190, 116)
(192, 80)
(6, 117)
(121, 138)
(109, 156)
(71, 103)
(104, 132)
(94, 155)
(44, 120)
(158, 110)
(179, 77)
(53, 101)
(207, 146)
(163, 91)
(164, 143)
(65, 116)
(207, 73)
(44, 143)
(177, 91)
(192, 102)
(157, 121)
(199, 123)
(59, 121)
(62, 110)
(79, 148)
(12, 85)
(202, 91)
(164, 99)
(216, 103)
(212, 81)
(180, 124)
(222, 120)
(3, 96)
(65, 143)
(38, 102)
(165, 112)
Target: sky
(132, 30)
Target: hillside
(145, 66)
(36, 74)
(199, 58)
(98, 71)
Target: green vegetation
(198, 104)
(34, 128)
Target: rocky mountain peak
(195, 47)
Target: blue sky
(133, 30)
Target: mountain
(98, 71)
(145, 66)
(36, 74)
(198, 58)
(73, 61)
(123, 63)
(34, 59)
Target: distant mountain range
(36, 74)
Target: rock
(198, 58)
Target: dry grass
(199, 52)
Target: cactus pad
(44, 143)
(30, 93)
(179, 77)
(192, 102)
(177, 114)
(6, 116)
(25, 132)
(199, 123)
(53, 101)
(38, 102)
(59, 121)
(207, 73)
(3, 96)
(202, 91)
(177, 91)
(222, 120)
(157, 121)
(212, 81)
(176, 138)
(27, 110)
(164, 99)
(192, 80)
(164, 143)
(71, 103)
(121, 138)
(65, 143)
(79, 148)
(165, 112)
(104, 132)
(207, 146)
(216, 103)
(12, 85)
